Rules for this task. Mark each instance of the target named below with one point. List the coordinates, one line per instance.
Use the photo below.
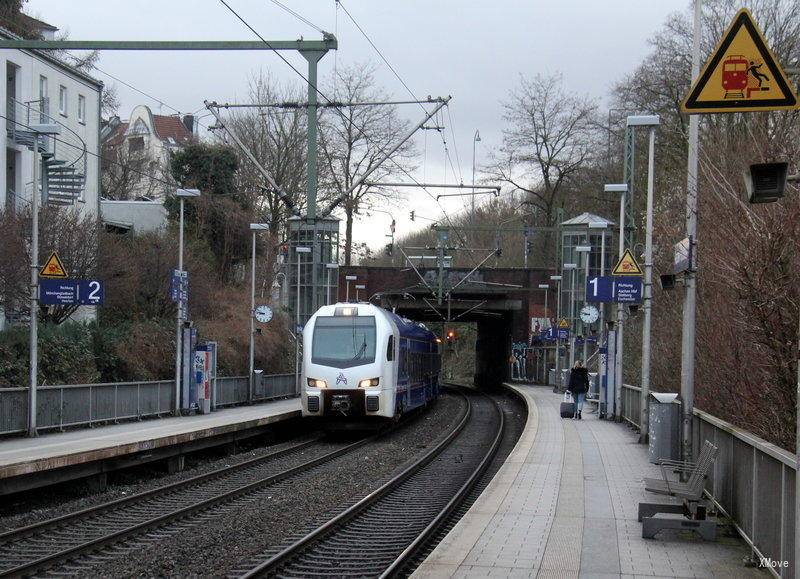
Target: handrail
(81, 157)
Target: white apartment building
(39, 88)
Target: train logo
(341, 379)
(741, 77)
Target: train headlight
(314, 383)
(369, 383)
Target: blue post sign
(71, 292)
(614, 289)
(628, 290)
(563, 333)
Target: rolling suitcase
(567, 406)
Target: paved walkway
(19, 456)
(565, 505)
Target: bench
(690, 492)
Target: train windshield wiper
(361, 351)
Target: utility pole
(254, 229)
(690, 289)
(34, 337)
(475, 140)
(652, 122)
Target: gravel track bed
(43, 504)
(224, 538)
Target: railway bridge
(500, 301)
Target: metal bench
(690, 491)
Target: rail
(753, 483)
(76, 405)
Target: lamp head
(616, 188)
(187, 193)
(642, 121)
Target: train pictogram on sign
(741, 75)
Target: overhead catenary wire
(300, 17)
(323, 96)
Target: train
(361, 361)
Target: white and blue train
(360, 360)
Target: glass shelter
(316, 281)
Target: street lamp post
(254, 228)
(571, 267)
(586, 251)
(622, 189)
(348, 279)
(475, 140)
(546, 288)
(557, 278)
(651, 121)
(39, 130)
(298, 250)
(600, 361)
(182, 195)
(330, 267)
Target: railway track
(40, 546)
(380, 534)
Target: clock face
(263, 314)
(589, 314)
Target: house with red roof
(146, 141)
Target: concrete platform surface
(565, 505)
(22, 456)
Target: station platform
(27, 463)
(564, 504)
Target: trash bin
(665, 421)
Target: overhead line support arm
(329, 43)
(264, 173)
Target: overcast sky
(474, 51)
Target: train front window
(344, 341)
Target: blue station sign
(617, 289)
(71, 292)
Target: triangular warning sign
(53, 267)
(627, 265)
(563, 323)
(742, 75)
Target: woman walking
(578, 386)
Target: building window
(44, 103)
(135, 144)
(81, 109)
(62, 100)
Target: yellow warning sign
(627, 265)
(563, 323)
(53, 267)
(742, 75)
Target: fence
(86, 404)
(753, 483)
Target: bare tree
(277, 138)
(549, 137)
(127, 174)
(747, 290)
(352, 142)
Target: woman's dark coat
(578, 380)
